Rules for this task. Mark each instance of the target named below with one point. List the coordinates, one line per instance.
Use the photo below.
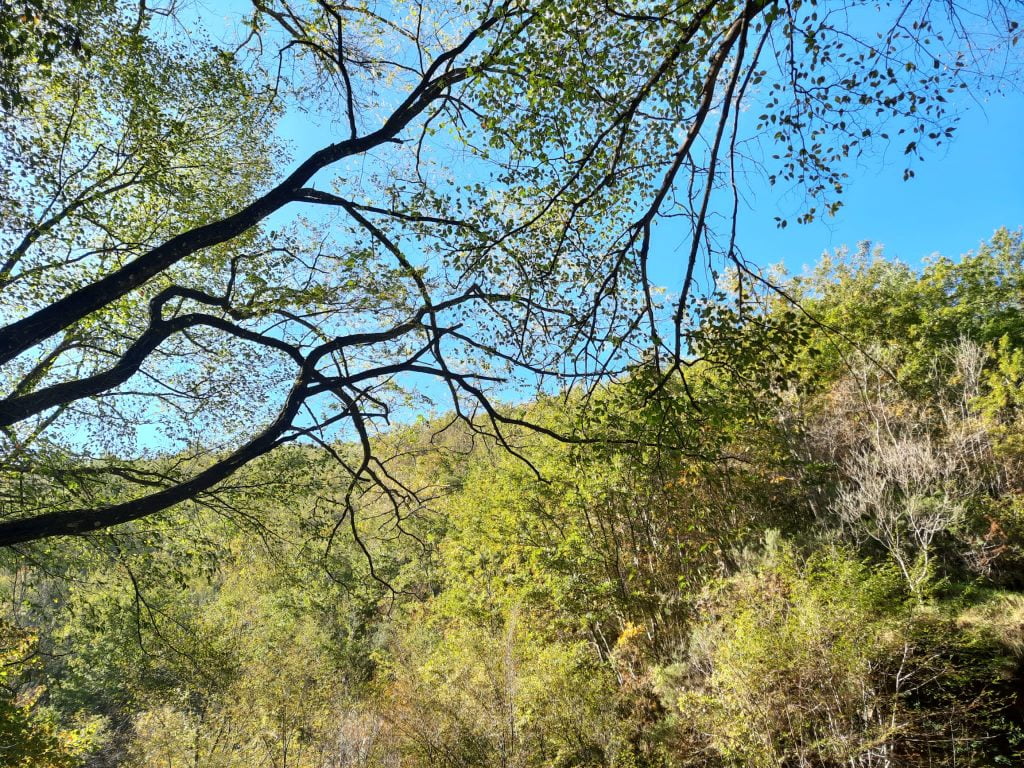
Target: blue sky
(961, 194)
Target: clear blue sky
(971, 187)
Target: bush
(824, 663)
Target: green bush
(824, 663)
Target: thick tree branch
(23, 334)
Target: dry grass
(1001, 614)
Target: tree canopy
(480, 213)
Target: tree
(483, 215)
(36, 33)
(30, 735)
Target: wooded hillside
(818, 562)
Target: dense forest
(818, 562)
(403, 384)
